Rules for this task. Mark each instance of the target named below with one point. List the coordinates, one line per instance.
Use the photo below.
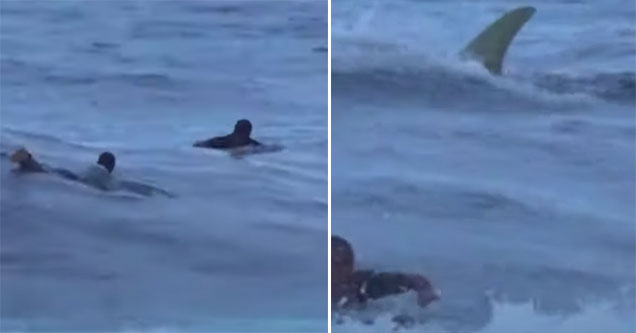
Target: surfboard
(252, 150)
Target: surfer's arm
(380, 285)
(386, 284)
(31, 166)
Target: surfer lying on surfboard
(98, 175)
(239, 142)
(239, 138)
(352, 288)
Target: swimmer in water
(239, 138)
(27, 163)
(354, 288)
(98, 175)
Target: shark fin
(490, 46)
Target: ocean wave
(13, 138)
(441, 200)
(440, 86)
(402, 76)
(620, 87)
(19, 72)
(509, 317)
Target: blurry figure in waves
(239, 143)
(98, 175)
(352, 288)
(237, 139)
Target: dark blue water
(513, 194)
(243, 246)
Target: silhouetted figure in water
(98, 175)
(239, 138)
(350, 287)
(26, 162)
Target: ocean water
(243, 246)
(514, 194)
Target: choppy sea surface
(514, 194)
(243, 245)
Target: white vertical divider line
(329, 162)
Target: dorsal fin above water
(490, 46)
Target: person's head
(107, 160)
(342, 258)
(20, 155)
(243, 128)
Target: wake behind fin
(490, 46)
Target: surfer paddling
(98, 175)
(239, 138)
(354, 288)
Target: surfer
(354, 288)
(98, 175)
(26, 162)
(239, 138)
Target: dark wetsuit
(356, 287)
(371, 285)
(240, 137)
(31, 165)
(226, 142)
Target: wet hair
(341, 252)
(107, 160)
(21, 155)
(243, 127)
